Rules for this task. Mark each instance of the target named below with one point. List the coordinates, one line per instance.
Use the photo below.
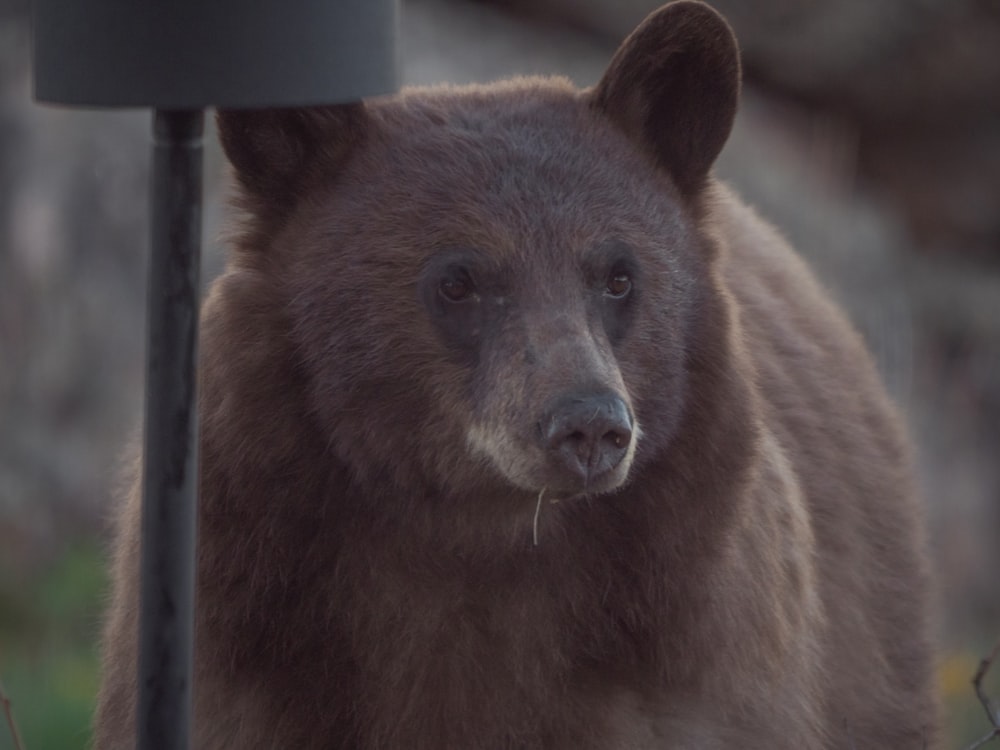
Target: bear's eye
(618, 286)
(457, 287)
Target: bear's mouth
(582, 446)
(547, 498)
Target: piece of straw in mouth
(538, 511)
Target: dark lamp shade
(188, 54)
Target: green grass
(48, 658)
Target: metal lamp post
(178, 58)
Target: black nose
(589, 435)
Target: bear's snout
(587, 435)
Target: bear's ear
(272, 149)
(673, 86)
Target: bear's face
(491, 289)
(475, 275)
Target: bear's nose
(589, 435)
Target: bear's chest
(457, 661)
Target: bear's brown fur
(414, 534)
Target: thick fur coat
(414, 533)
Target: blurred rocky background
(870, 133)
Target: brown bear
(519, 430)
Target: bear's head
(498, 291)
